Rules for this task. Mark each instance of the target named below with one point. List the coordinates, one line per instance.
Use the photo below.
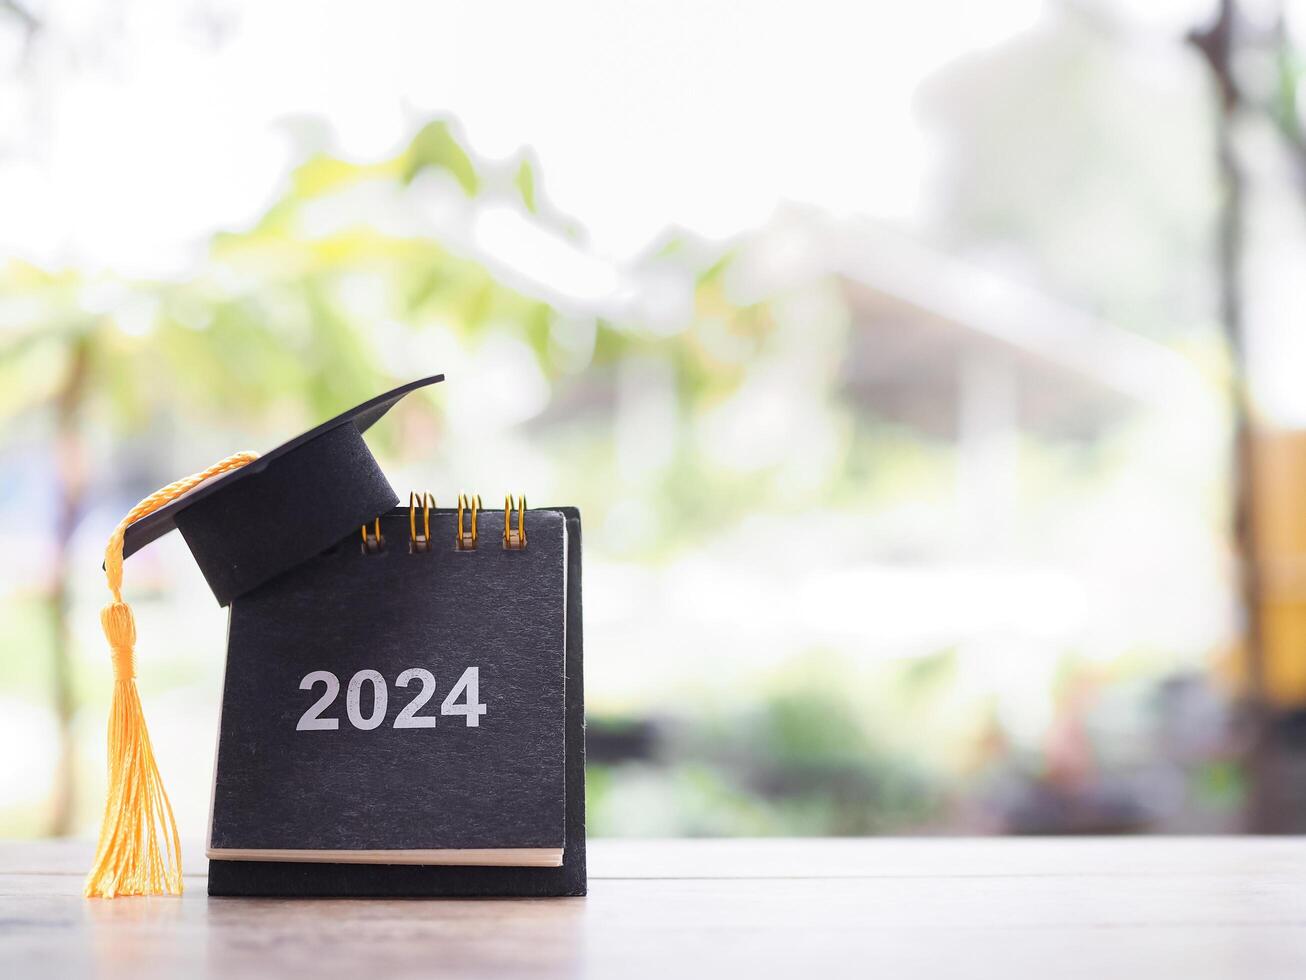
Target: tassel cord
(139, 852)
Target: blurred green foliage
(271, 328)
(121, 384)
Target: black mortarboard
(250, 524)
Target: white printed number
(472, 709)
(379, 699)
(468, 687)
(309, 720)
(408, 718)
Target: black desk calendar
(403, 705)
(488, 761)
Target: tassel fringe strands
(139, 852)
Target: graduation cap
(248, 524)
(246, 519)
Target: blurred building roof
(926, 326)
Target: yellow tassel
(139, 852)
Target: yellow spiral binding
(376, 542)
(466, 538)
(514, 539)
(419, 542)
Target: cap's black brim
(364, 416)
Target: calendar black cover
(478, 790)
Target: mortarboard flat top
(252, 523)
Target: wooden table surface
(887, 908)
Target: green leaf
(435, 146)
(525, 182)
